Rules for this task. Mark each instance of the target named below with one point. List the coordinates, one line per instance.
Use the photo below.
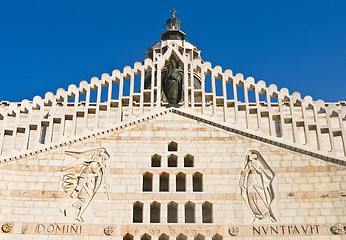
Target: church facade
(173, 148)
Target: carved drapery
(256, 186)
(83, 179)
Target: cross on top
(173, 12)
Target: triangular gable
(316, 126)
(200, 118)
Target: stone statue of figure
(256, 186)
(172, 82)
(84, 179)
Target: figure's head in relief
(253, 160)
(103, 155)
(253, 156)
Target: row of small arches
(164, 236)
(172, 212)
(180, 182)
(172, 160)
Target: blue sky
(300, 45)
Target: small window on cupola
(173, 147)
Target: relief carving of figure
(84, 179)
(256, 186)
(172, 82)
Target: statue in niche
(84, 179)
(256, 186)
(172, 81)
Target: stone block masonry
(309, 193)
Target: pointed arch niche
(147, 182)
(145, 237)
(138, 212)
(172, 212)
(181, 182)
(164, 182)
(164, 237)
(197, 179)
(199, 237)
(181, 237)
(207, 212)
(189, 212)
(155, 209)
(128, 237)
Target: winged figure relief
(83, 178)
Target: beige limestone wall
(310, 195)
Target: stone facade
(103, 161)
(309, 193)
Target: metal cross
(173, 12)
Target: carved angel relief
(84, 177)
(256, 186)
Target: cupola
(173, 30)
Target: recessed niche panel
(156, 161)
(172, 160)
(173, 147)
(188, 160)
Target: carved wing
(69, 182)
(73, 170)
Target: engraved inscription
(286, 230)
(58, 229)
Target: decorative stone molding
(271, 112)
(328, 157)
(233, 231)
(7, 227)
(109, 230)
(338, 229)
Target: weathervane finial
(173, 12)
